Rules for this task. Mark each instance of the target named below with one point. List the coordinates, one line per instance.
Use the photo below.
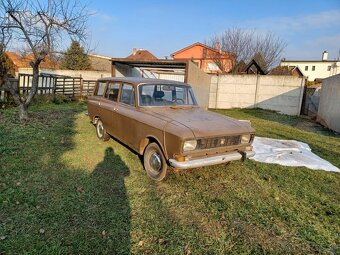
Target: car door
(109, 106)
(126, 113)
(94, 102)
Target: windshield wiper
(181, 107)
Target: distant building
(286, 70)
(315, 69)
(254, 68)
(100, 63)
(23, 62)
(141, 55)
(208, 59)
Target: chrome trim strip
(208, 161)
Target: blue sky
(163, 27)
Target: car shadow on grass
(293, 121)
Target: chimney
(218, 46)
(134, 51)
(324, 56)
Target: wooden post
(23, 84)
(54, 87)
(72, 87)
(64, 86)
(42, 85)
(81, 87)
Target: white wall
(278, 93)
(128, 71)
(329, 106)
(321, 68)
(86, 75)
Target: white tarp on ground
(289, 153)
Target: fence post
(64, 87)
(256, 91)
(81, 87)
(23, 84)
(217, 85)
(42, 85)
(303, 110)
(73, 87)
(54, 87)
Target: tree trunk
(23, 111)
(35, 83)
(23, 106)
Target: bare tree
(245, 44)
(40, 27)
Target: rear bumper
(214, 160)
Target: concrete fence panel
(329, 106)
(200, 83)
(279, 93)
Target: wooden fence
(52, 84)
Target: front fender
(174, 135)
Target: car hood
(203, 123)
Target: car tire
(155, 163)
(101, 132)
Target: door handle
(115, 109)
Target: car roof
(137, 80)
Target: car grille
(217, 142)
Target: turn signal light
(180, 158)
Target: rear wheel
(101, 132)
(154, 162)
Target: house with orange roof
(209, 60)
(23, 62)
(141, 55)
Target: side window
(127, 96)
(112, 91)
(100, 88)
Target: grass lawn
(62, 191)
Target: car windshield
(165, 95)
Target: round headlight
(245, 139)
(189, 145)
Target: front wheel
(101, 132)
(154, 162)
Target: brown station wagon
(160, 120)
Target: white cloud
(312, 49)
(102, 17)
(106, 17)
(332, 41)
(307, 35)
(311, 21)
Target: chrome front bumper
(214, 160)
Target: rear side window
(100, 88)
(112, 91)
(128, 96)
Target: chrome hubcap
(155, 162)
(100, 129)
